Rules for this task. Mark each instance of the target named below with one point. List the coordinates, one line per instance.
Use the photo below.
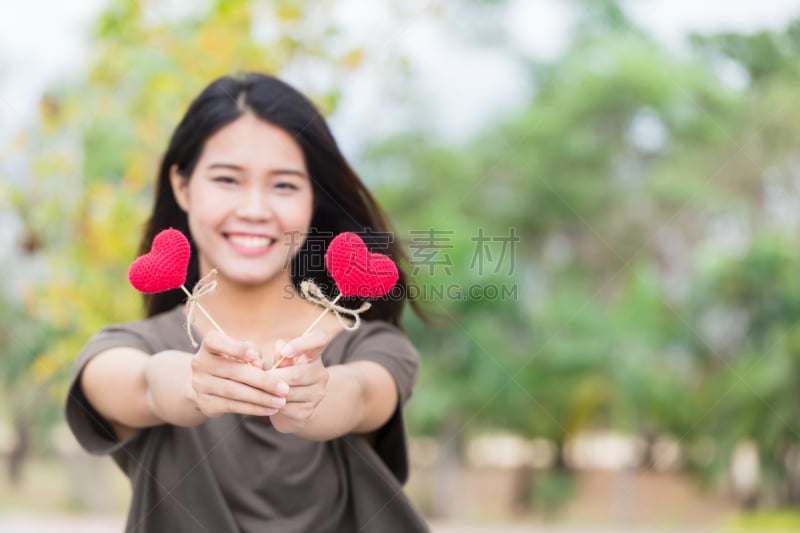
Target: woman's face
(248, 201)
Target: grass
(767, 521)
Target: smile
(248, 241)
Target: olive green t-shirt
(236, 473)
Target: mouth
(249, 242)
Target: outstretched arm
(132, 389)
(325, 403)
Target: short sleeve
(91, 430)
(388, 346)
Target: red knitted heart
(164, 267)
(356, 270)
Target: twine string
(311, 292)
(206, 285)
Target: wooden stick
(308, 330)
(194, 301)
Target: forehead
(250, 141)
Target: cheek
(204, 217)
(207, 206)
(296, 215)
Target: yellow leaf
(354, 58)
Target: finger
(217, 405)
(302, 394)
(233, 390)
(301, 375)
(268, 382)
(309, 343)
(252, 350)
(282, 361)
(298, 412)
(217, 343)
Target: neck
(251, 312)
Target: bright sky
(41, 41)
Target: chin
(254, 280)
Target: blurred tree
(90, 161)
(628, 169)
(628, 173)
(763, 56)
(569, 175)
(26, 399)
(748, 308)
(745, 303)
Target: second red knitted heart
(356, 270)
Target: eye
(225, 180)
(286, 186)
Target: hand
(306, 375)
(222, 384)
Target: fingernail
(251, 354)
(288, 350)
(278, 401)
(270, 411)
(282, 388)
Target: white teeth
(249, 241)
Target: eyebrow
(276, 172)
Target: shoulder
(151, 334)
(380, 342)
(155, 323)
(373, 333)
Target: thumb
(254, 355)
(287, 361)
(310, 344)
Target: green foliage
(578, 346)
(764, 55)
(634, 313)
(755, 371)
(551, 491)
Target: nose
(254, 205)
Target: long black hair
(341, 201)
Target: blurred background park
(600, 201)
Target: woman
(253, 176)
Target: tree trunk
(792, 462)
(649, 459)
(18, 454)
(560, 461)
(447, 476)
(524, 477)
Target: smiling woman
(251, 174)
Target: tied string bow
(206, 285)
(311, 292)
